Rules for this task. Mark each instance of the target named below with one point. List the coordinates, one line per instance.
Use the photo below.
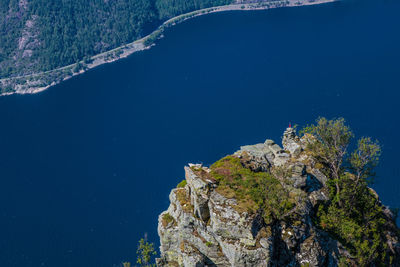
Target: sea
(87, 166)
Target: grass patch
(184, 200)
(167, 219)
(182, 184)
(252, 190)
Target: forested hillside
(39, 35)
(170, 8)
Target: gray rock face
(215, 234)
(299, 176)
(199, 190)
(202, 227)
(291, 142)
(319, 248)
(266, 154)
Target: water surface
(87, 166)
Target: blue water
(87, 166)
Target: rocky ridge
(205, 227)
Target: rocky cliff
(217, 216)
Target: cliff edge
(265, 206)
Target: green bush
(182, 184)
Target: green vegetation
(329, 143)
(171, 8)
(153, 37)
(184, 200)
(182, 184)
(145, 253)
(167, 219)
(64, 32)
(253, 190)
(43, 35)
(353, 214)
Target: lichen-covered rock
(319, 250)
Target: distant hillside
(40, 35)
(43, 43)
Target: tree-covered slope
(39, 35)
(170, 8)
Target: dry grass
(183, 198)
(182, 246)
(243, 205)
(167, 219)
(203, 174)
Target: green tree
(331, 139)
(145, 252)
(364, 159)
(354, 214)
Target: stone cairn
(291, 142)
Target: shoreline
(67, 72)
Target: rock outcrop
(204, 227)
